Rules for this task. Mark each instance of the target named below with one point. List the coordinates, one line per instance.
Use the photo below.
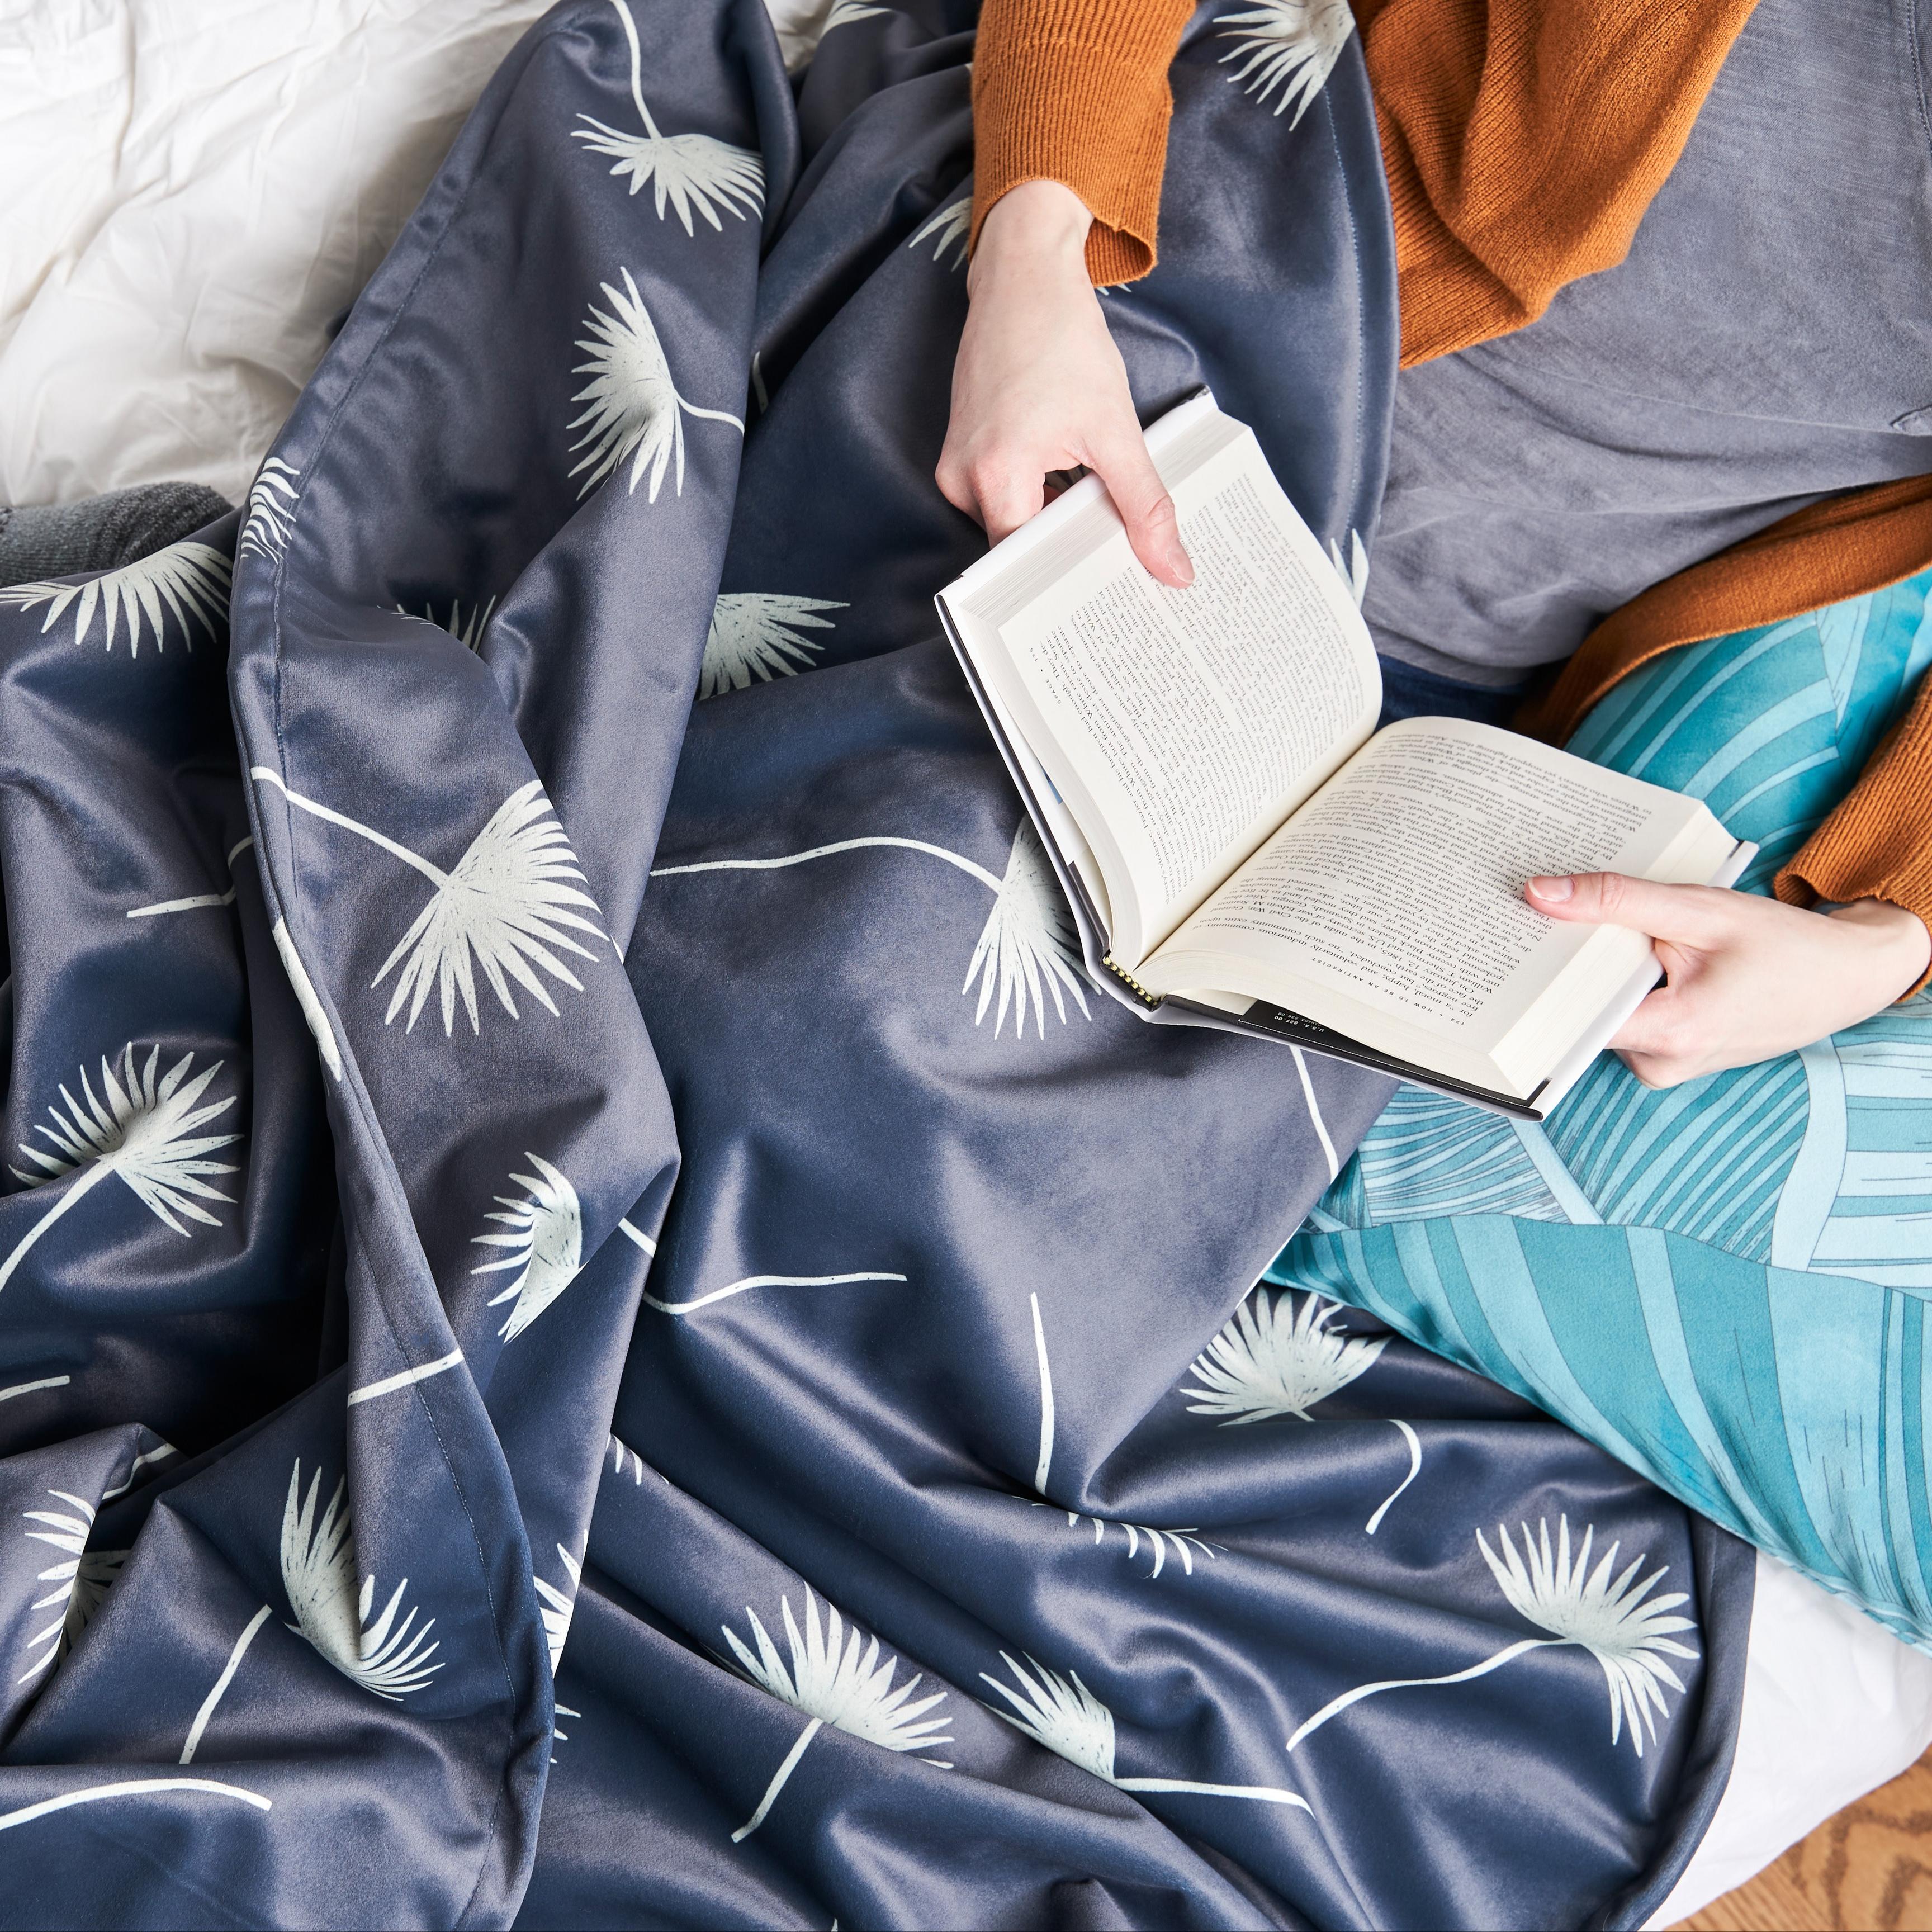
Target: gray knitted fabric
(101, 533)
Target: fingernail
(1178, 561)
(1555, 890)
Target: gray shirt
(1768, 341)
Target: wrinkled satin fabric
(597, 1328)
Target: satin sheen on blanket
(594, 1323)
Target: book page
(1182, 727)
(1400, 884)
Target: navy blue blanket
(596, 1327)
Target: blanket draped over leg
(594, 1319)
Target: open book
(1239, 845)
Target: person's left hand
(1747, 978)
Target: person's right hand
(1039, 386)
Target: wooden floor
(1867, 1870)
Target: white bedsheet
(1834, 1706)
(196, 189)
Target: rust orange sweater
(1523, 140)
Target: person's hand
(1039, 386)
(1747, 978)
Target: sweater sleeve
(1878, 843)
(1523, 140)
(1075, 91)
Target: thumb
(1125, 467)
(1697, 915)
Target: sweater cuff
(1075, 91)
(1878, 843)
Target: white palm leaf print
(307, 999)
(510, 904)
(1354, 573)
(1061, 1714)
(512, 897)
(691, 171)
(1184, 1544)
(948, 230)
(318, 1574)
(467, 628)
(80, 1580)
(554, 1607)
(1629, 1636)
(1269, 1360)
(754, 635)
(127, 1787)
(544, 1243)
(1182, 1541)
(1027, 948)
(272, 498)
(186, 581)
(1290, 44)
(140, 1127)
(836, 1678)
(633, 409)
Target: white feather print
(319, 1573)
(509, 906)
(219, 1689)
(803, 25)
(186, 581)
(691, 171)
(747, 1283)
(195, 901)
(632, 407)
(1182, 1543)
(1269, 1360)
(755, 635)
(544, 1243)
